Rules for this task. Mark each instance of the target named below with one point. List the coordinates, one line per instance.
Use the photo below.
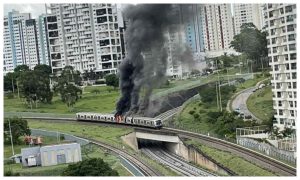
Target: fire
(119, 118)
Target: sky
(34, 9)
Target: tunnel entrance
(168, 146)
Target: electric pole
(11, 140)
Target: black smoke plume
(145, 64)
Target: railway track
(166, 115)
(272, 164)
(268, 162)
(144, 168)
(175, 163)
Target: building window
(294, 85)
(290, 28)
(274, 30)
(294, 75)
(280, 112)
(279, 103)
(292, 47)
(279, 94)
(291, 103)
(272, 23)
(293, 66)
(286, 56)
(293, 56)
(290, 18)
(292, 113)
(288, 9)
(281, 11)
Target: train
(128, 120)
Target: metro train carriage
(134, 121)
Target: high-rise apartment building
(14, 41)
(85, 36)
(247, 13)
(24, 41)
(43, 42)
(280, 20)
(217, 26)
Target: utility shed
(51, 155)
(60, 154)
(29, 154)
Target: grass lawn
(249, 83)
(94, 151)
(237, 164)
(260, 104)
(187, 121)
(99, 132)
(36, 171)
(103, 102)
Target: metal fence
(267, 149)
(59, 135)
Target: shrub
(214, 115)
(10, 173)
(10, 95)
(90, 167)
(202, 111)
(196, 116)
(191, 112)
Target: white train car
(110, 118)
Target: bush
(191, 112)
(196, 116)
(202, 111)
(90, 167)
(214, 115)
(10, 95)
(200, 104)
(9, 161)
(10, 173)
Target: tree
(35, 86)
(252, 42)
(19, 127)
(10, 82)
(112, 80)
(21, 68)
(43, 68)
(66, 86)
(90, 167)
(70, 75)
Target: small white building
(51, 155)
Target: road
(241, 102)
